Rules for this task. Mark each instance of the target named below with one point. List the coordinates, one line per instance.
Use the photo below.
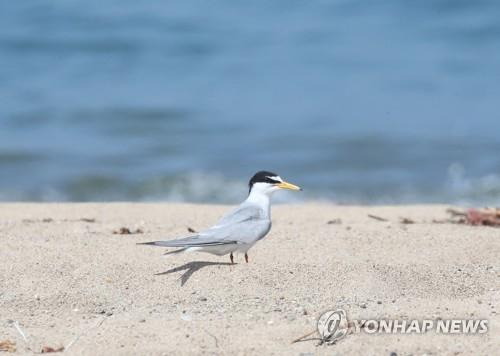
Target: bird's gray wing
(245, 232)
(246, 224)
(244, 212)
(243, 225)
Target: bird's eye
(272, 180)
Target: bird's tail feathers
(192, 241)
(168, 243)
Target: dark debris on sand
(127, 231)
(476, 217)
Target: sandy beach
(67, 280)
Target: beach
(72, 276)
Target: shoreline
(67, 279)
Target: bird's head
(267, 182)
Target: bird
(241, 228)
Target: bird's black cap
(263, 177)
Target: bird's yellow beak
(286, 185)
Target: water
(356, 101)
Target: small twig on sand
(455, 212)
(304, 336)
(406, 221)
(50, 349)
(72, 342)
(190, 229)
(127, 231)
(20, 331)
(484, 217)
(377, 217)
(334, 222)
(7, 346)
(214, 337)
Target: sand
(67, 280)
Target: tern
(241, 228)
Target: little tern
(241, 228)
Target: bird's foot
(246, 257)
(232, 258)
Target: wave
(209, 187)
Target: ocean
(358, 102)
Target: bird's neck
(262, 200)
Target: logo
(332, 326)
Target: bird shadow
(191, 268)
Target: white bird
(240, 229)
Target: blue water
(357, 101)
